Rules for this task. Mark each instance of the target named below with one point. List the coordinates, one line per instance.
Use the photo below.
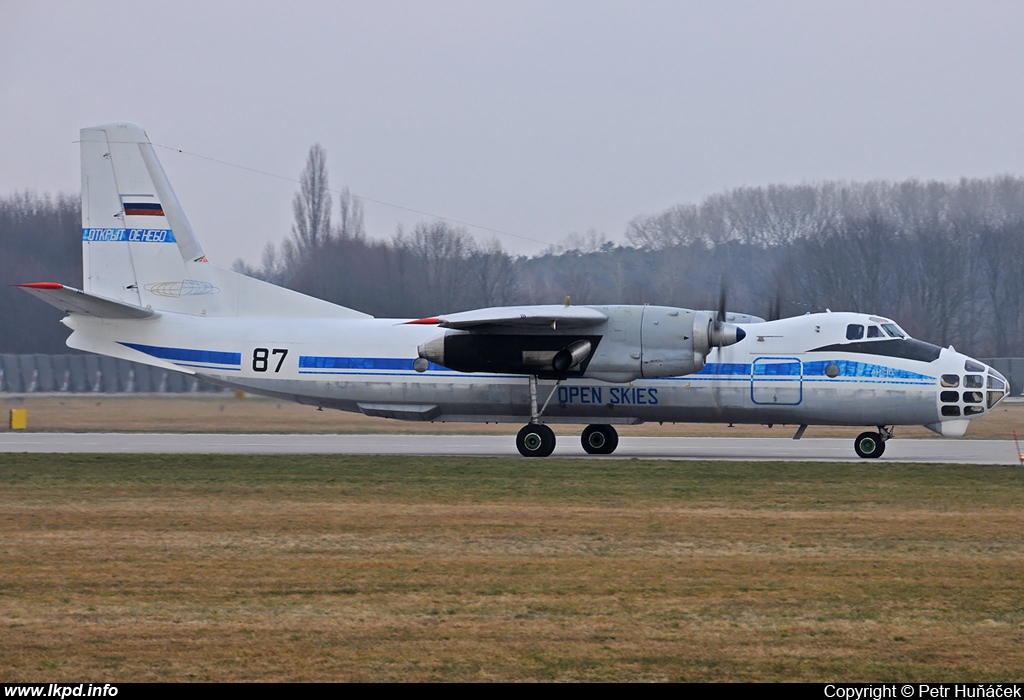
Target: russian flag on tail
(143, 209)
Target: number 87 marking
(260, 358)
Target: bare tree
(496, 283)
(441, 255)
(351, 224)
(312, 204)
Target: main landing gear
(872, 445)
(599, 439)
(535, 440)
(538, 440)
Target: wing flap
(551, 316)
(75, 301)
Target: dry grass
(141, 567)
(226, 414)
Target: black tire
(869, 445)
(599, 439)
(535, 440)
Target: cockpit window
(974, 381)
(972, 366)
(875, 332)
(997, 388)
(893, 330)
(854, 332)
(951, 380)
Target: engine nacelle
(635, 342)
(673, 341)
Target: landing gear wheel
(599, 439)
(869, 445)
(535, 440)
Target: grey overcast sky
(535, 118)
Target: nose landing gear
(872, 445)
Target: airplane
(151, 296)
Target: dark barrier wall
(82, 374)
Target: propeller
(775, 305)
(723, 294)
(775, 308)
(723, 333)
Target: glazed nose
(997, 388)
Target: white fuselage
(777, 374)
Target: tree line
(40, 241)
(946, 260)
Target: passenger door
(777, 381)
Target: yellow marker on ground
(19, 419)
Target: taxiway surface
(763, 449)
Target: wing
(555, 317)
(75, 301)
(611, 343)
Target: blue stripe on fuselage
(714, 370)
(188, 355)
(849, 369)
(311, 362)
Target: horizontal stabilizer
(75, 301)
(551, 316)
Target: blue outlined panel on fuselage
(777, 381)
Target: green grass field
(139, 567)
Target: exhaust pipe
(571, 355)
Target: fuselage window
(974, 381)
(951, 410)
(951, 380)
(972, 397)
(950, 396)
(973, 410)
(854, 332)
(875, 332)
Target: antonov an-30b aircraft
(151, 296)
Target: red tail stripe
(43, 285)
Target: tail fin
(132, 224)
(139, 248)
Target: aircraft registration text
(129, 235)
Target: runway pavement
(761, 449)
